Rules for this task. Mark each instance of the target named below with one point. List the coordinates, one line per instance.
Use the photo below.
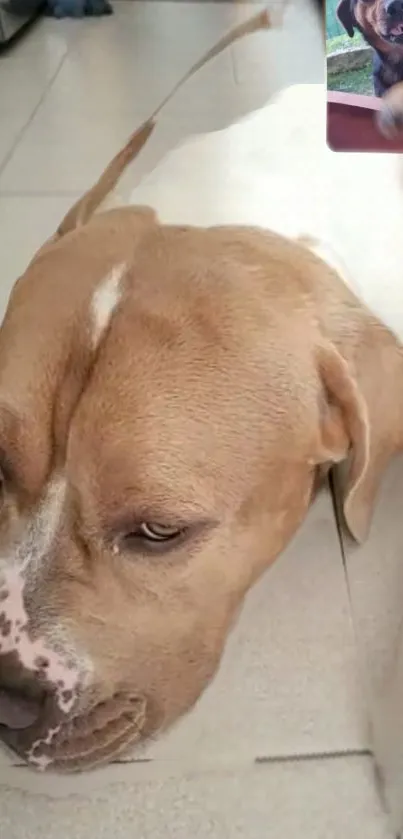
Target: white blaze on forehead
(105, 301)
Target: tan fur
(236, 366)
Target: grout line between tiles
(32, 114)
(261, 759)
(315, 756)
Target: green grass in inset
(344, 42)
(352, 81)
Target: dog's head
(167, 396)
(381, 21)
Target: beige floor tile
(54, 124)
(19, 99)
(13, 122)
(137, 56)
(112, 77)
(40, 166)
(28, 66)
(26, 70)
(289, 54)
(375, 576)
(69, 158)
(332, 799)
(60, 154)
(37, 55)
(70, 139)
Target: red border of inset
(351, 124)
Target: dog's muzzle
(28, 705)
(95, 731)
(394, 21)
(52, 712)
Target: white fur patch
(104, 302)
(18, 574)
(35, 756)
(41, 529)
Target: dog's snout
(18, 710)
(394, 9)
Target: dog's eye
(158, 532)
(151, 536)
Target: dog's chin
(85, 741)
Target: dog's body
(383, 31)
(386, 72)
(161, 431)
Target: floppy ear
(352, 437)
(345, 14)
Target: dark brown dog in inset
(381, 24)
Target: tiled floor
(278, 746)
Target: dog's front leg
(390, 116)
(379, 75)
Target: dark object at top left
(78, 8)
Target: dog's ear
(345, 15)
(355, 432)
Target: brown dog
(381, 24)
(160, 441)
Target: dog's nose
(18, 710)
(22, 695)
(394, 9)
